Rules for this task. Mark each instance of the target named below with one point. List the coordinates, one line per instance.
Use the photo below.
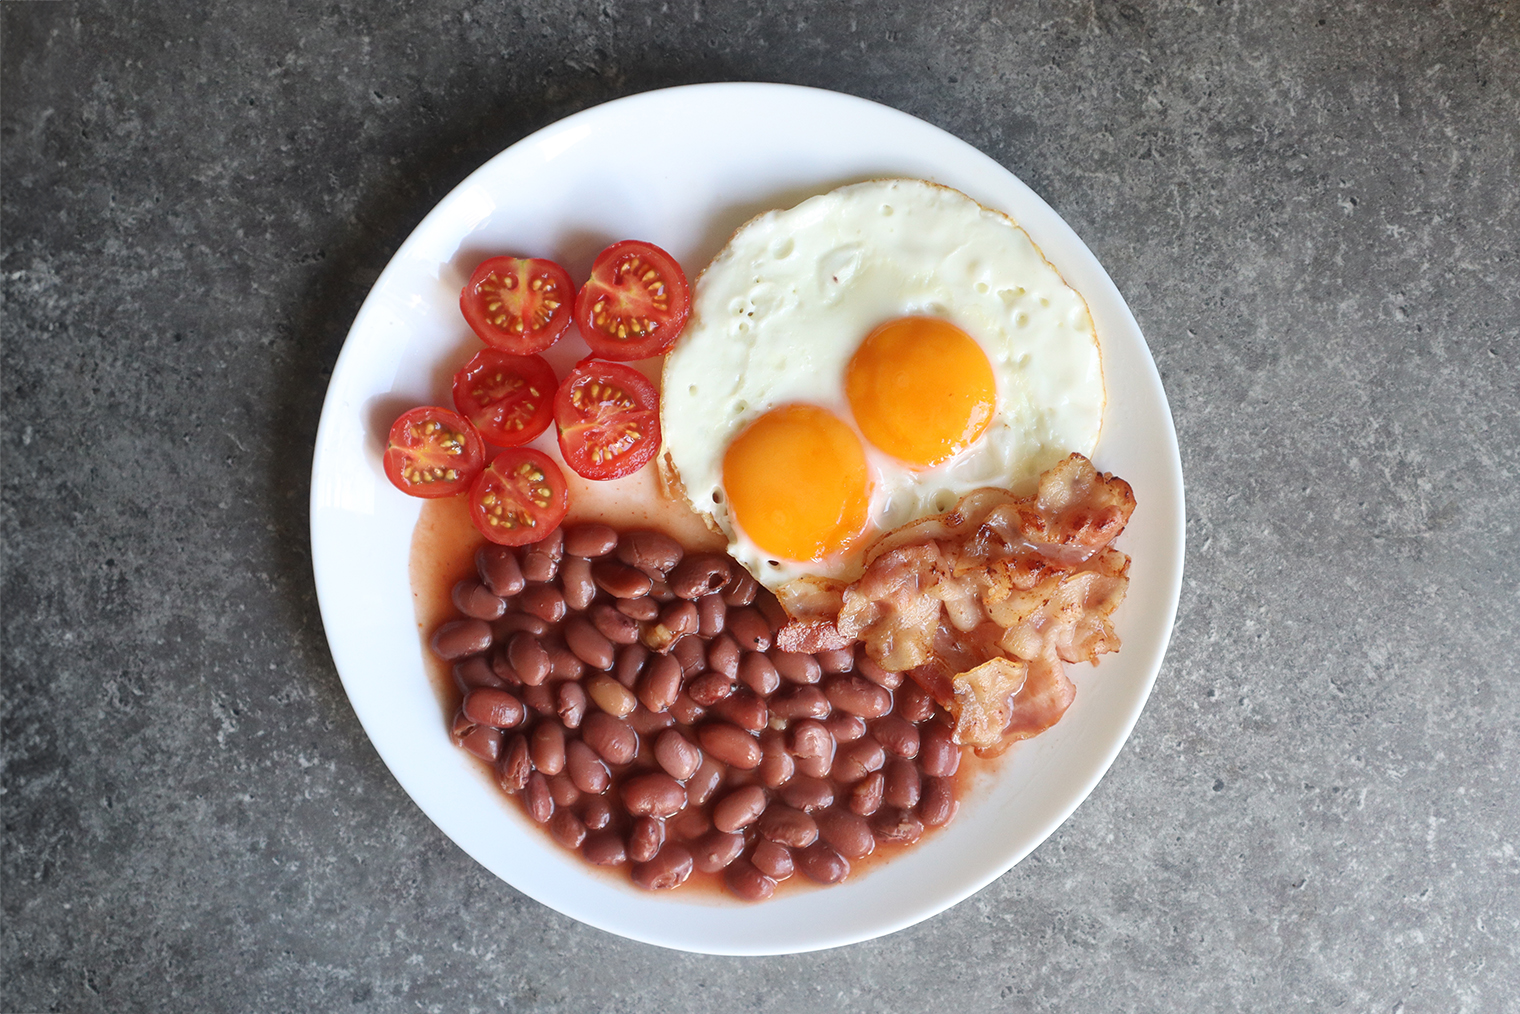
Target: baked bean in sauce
(631, 698)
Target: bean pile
(629, 697)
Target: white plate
(683, 168)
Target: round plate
(728, 152)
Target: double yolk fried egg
(864, 360)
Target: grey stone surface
(1314, 210)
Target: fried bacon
(983, 604)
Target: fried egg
(863, 360)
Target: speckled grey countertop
(1313, 210)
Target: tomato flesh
(635, 303)
(509, 398)
(518, 305)
(520, 498)
(608, 418)
(432, 452)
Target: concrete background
(1313, 209)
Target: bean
(795, 666)
(647, 723)
(500, 666)
(811, 738)
(858, 696)
(585, 768)
(786, 826)
(712, 612)
(723, 655)
(775, 616)
(610, 737)
(938, 754)
(588, 644)
(541, 559)
(461, 726)
(575, 579)
(641, 609)
(896, 735)
(562, 661)
(867, 667)
(597, 813)
(528, 658)
(748, 882)
(536, 798)
(484, 742)
(847, 832)
(620, 580)
(730, 744)
(613, 625)
(745, 710)
(704, 782)
(776, 765)
(691, 653)
(652, 552)
(590, 540)
(800, 702)
(858, 759)
(686, 710)
(914, 703)
(543, 601)
(563, 791)
(677, 619)
(739, 809)
(571, 698)
(540, 698)
(757, 673)
(804, 793)
(458, 638)
(547, 745)
(815, 767)
(611, 696)
(836, 660)
(645, 839)
(845, 728)
(710, 688)
(497, 566)
(715, 850)
(655, 794)
(690, 824)
(741, 588)
(678, 755)
(474, 672)
(493, 707)
(900, 827)
(515, 766)
(865, 797)
(514, 621)
(476, 601)
(631, 659)
(938, 806)
(660, 684)
(661, 592)
(749, 628)
(668, 869)
(605, 848)
(699, 574)
(903, 784)
(774, 860)
(823, 864)
(567, 829)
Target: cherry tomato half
(519, 498)
(520, 306)
(635, 302)
(510, 399)
(609, 419)
(433, 452)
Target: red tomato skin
(583, 428)
(495, 419)
(527, 483)
(408, 444)
(548, 323)
(658, 317)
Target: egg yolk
(921, 389)
(797, 484)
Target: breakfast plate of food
(754, 546)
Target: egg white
(781, 310)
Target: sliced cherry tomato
(520, 306)
(635, 302)
(510, 399)
(609, 419)
(520, 498)
(433, 452)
